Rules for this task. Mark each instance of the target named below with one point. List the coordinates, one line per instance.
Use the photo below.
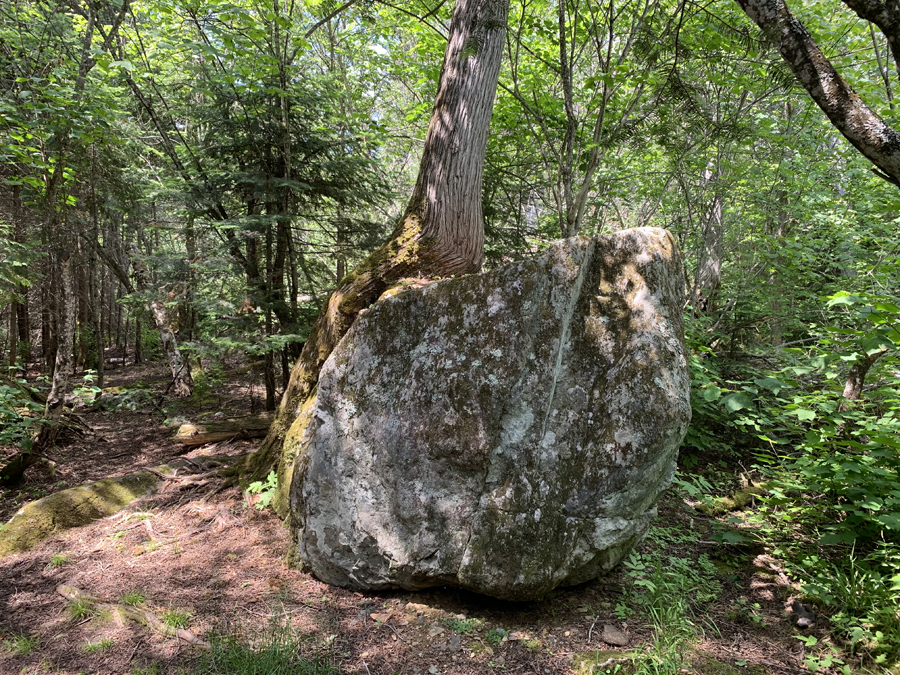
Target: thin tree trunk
(95, 276)
(49, 430)
(138, 341)
(178, 364)
(857, 377)
(13, 333)
(190, 243)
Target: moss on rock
(738, 500)
(74, 507)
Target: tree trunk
(13, 333)
(854, 119)
(49, 430)
(95, 276)
(181, 369)
(442, 230)
(252, 426)
(857, 377)
(138, 341)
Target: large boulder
(505, 432)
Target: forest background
(190, 179)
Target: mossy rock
(74, 507)
(739, 500)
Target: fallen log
(239, 428)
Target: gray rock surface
(506, 432)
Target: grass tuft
(59, 560)
(103, 645)
(176, 618)
(276, 652)
(21, 645)
(80, 609)
(133, 598)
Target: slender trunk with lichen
(859, 124)
(442, 231)
(50, 426)
(182, 380)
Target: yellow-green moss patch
(734, 502)
(589, 663)
(74, 507)
(292, 445)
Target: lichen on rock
(506, 432)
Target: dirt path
(218, 563)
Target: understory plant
(276, 651)
(826, 425)
(662, 589)
(19, 414)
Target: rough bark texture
(49, 430)
(442, 232)
(506, 432)
(252, 426)
(447, 196)
(856, 378)
(178, 364)
(857, 122)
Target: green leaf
(890, 520)
(736, 401)
(842, 298)
(805, 415)
(711, 393)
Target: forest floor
(214, 565)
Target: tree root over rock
(121, 613)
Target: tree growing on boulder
(442, 231)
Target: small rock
(436, 630)
(613, 636)
(455, 645)
(804, 615)
(433, 670)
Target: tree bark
(442, 231)
(50, 427)
(865, 130)
(178, 364)
(252, 426)
(857, 377)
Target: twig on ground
(160, 474)
(395, 632)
